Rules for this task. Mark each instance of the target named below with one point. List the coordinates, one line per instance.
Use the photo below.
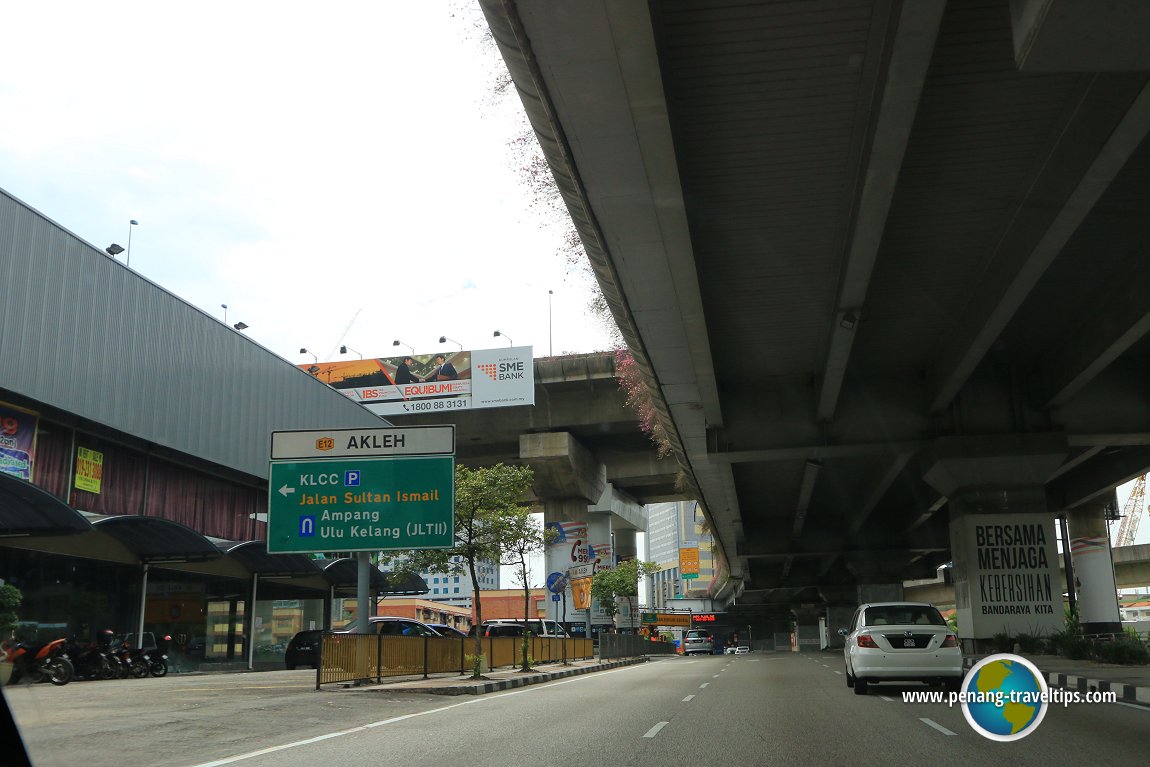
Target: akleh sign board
(362, 490)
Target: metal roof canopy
(254, 556)
(156, 540)
(26, 510)
(342, 573)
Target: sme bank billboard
(434, 383)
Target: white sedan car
(901, 642)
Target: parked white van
(514, 627)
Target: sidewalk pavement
(503, 678)
(1131, 683)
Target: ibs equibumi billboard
(429, 383)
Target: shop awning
(28, 510)
(343, 573)
(155, 540)
(254, 556)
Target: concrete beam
(563, 467)
(993, 462)
(629, 513)
(1015, 272)
(1073, 36)
(912, 47)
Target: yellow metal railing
(359, 657)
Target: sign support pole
(362, 591)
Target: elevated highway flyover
(883, 265)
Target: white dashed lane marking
(655, 730)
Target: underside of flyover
(837, 234)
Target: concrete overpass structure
(1131, 570)
(592, 462)
(577, 396)
(882, 263)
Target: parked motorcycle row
(61, 660)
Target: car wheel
(850, 679)
(860, 686)
(290, 666)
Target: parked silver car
(698, 640)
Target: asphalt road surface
(758, 709)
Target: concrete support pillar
(1002, 534)
(1094, 567)
(626, 543)
(841, 602)
(569, 515)
(568, 479)
(838, 617)
(808, 628)
(889, 591)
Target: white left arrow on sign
(285, 491)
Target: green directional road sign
(361, 504)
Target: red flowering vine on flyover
(640, 401)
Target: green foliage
(475, 663)
(620, 582)
(1001, 642)
(1122, 650)
(487, 523)
(1030, 644)
(10, 599)
(1069, 643)
(523, 536)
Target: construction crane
(1132, 513)
(354, 317)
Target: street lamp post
(128, 255)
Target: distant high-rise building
(670, 527)
(457, 589)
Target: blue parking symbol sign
(351, 478)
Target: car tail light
(866, 640)
(950, 641)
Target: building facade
(134, 458)
(457, 588)
(672, 527)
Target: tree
(10, 599)
(486, 500)
(524, 536)
(620, 582)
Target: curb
(497, 685)
(1126, 693)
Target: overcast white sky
(304, 164)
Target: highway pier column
(1002, 533)
(568, 478)
(1094, 567)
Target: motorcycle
(95, 661)
(157, 658)
(132, 661)
(39, 662)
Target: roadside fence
(361, 657)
